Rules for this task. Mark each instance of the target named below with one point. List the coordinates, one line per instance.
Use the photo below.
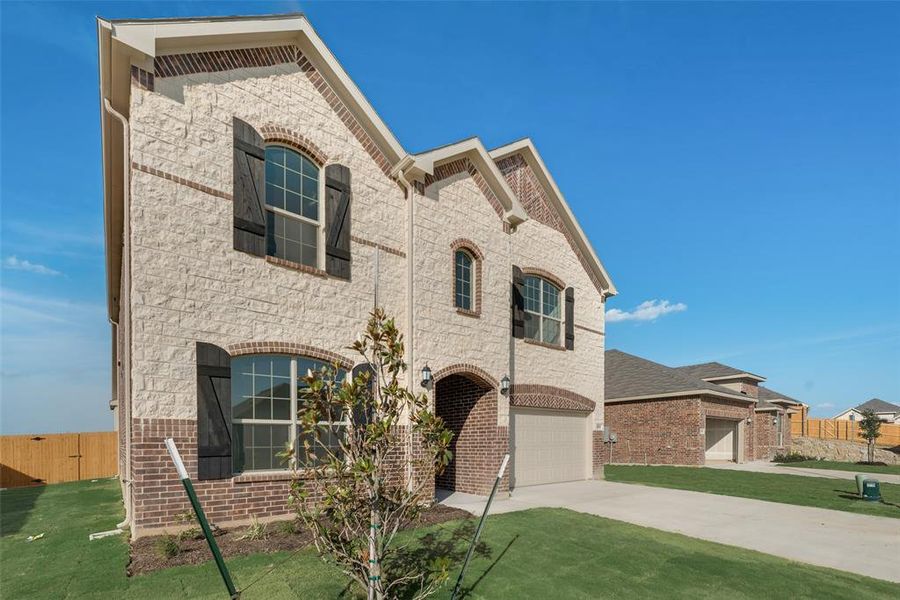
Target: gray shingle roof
(712, 369)
(879, 406)
(628, 376)
(767, 394)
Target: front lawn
(844, 466)
(541, 553)
(821, 492)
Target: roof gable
(535, 187)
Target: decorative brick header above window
(274, 134)
(545, 275)
(532, 395)
(291, 348)
(471, 371)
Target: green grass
(844, 466)
(541, 553)
(821, 492)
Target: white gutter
(398, 173)
(126, 299)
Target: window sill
(263, 476)
(543, 344)
(289, 264)
(468, 313)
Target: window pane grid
(463, 280)
(292, 198)
(543, 317)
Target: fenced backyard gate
(56, 457)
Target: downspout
(405, 163)
(126, 299)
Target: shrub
(255, 531)
(168, 547)
(288, 527)
(792, 457)
(191, 533)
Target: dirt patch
(147, 555)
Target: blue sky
(736, 166)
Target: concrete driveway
(829, 538)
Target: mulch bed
(146, 556)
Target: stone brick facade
(187, 284)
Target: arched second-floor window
(292, 206)
(543, 311)
(464, 286)
(265, 390)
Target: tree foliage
(364, 470)
(870, 430)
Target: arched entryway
(467, 403)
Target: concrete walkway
(769, 467)
(829, 538)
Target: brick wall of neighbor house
(188, 284)
(469, 409)
(767, 436)
(663, 431)
(736, 410)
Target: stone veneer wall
(188, 284)
(841, 450)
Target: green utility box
(871, 490)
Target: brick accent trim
(466, 369)
(382, 247)
(537, 204)
(182, 181)
(534, 395)
(477, 256)
(292, 348)
(545, 275)
(583, 328)
(224, 60)
(141, 78)
(289, 264)
(462, 165)
(274, 134)
(172, 65)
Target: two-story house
(257, 209)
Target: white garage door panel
(720, 439)
(549, 447)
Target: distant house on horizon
(887, 412)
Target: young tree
(350, 488)
(870, 429)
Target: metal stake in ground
(487, 507)
(201, 517)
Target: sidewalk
(829, 538)
(768, 467)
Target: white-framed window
(265, 389)
(464, 280)
(292, 206)
(543, 312)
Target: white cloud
(825, 405)
(16, 264)
(649, 310)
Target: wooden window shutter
(249, 190)
(213, 412)
(518, 303)
(570, 318)
(338, 199)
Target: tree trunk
(871, 450)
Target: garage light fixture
(426, 376)
(504, 385)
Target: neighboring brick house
(691, 415)
(257, 209)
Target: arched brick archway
(468, 405)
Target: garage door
(549, 446)
(720, 439)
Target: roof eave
(681, 394)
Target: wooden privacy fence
(832, 429)
(57, 457)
